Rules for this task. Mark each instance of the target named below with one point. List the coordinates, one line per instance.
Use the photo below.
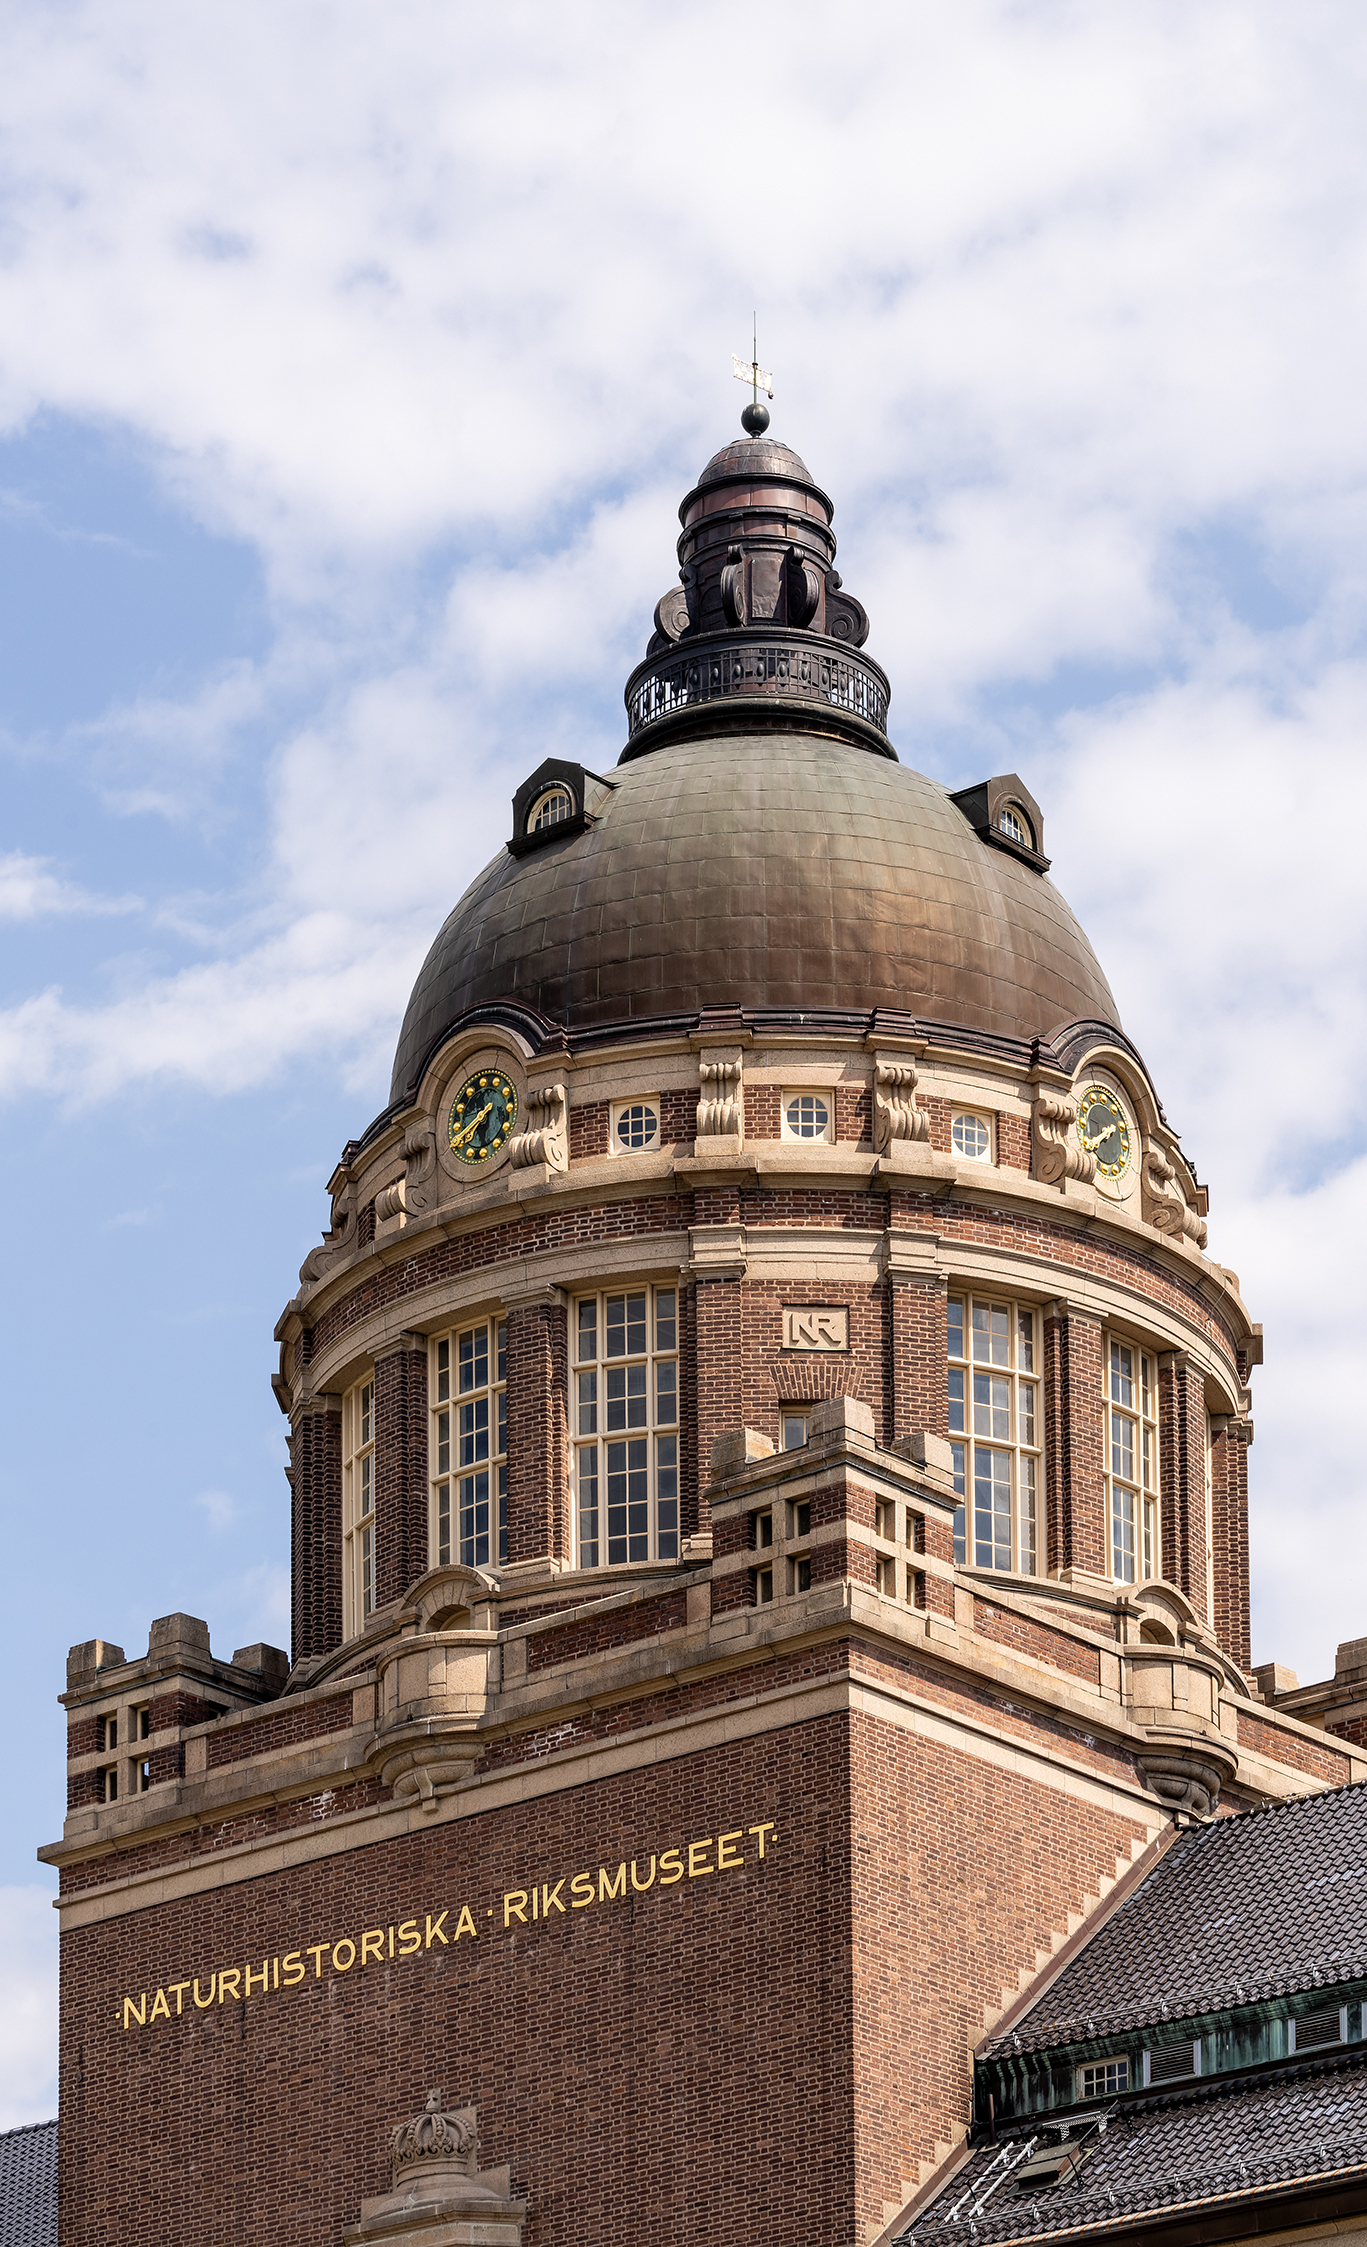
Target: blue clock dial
(482, 1117)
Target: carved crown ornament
(439, 2133)
(439, 2196)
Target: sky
(352, 366)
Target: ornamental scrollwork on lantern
(895, 1113)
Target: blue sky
(351, 371)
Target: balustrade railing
(793, 667)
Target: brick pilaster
(920, 1343)
(720, 1358)
(538, 1432)
(692, 1467)
(401, 1536)
(1074, 1479)
(1182, 1453)
(316, 1528)
(1230, 1440)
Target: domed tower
(768, 1454)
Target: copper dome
(775, 871)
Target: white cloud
(28, 2018)
(30, 891)
(219, 1508)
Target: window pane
(367, 1570)
(991, 1334)
(666, 1394)
(443, 1371)
(628, 1522)
(1146, 1385)
(474, 1359)
(665, 1323)
(474, 1519)
(502, 1444)
(1122, 1374)
(588, 1506)
(588, 1328)
(667, 1495)
(991, 1507)
(588, 1404)
(443, 1524)
(1027, 1517)
(960, 1511)
(366, 1395)
(503, 1349)
(443, 1443)
(1025, 1341)
(956, 1326)
(1122, 1446)
(1122, 1536)
(991, 1407)
(367, 1481)
(1147, 1448)
(1150, 1537)
(474, 1431)
(502, 1517)
(1026, 1395)
(956, 1400)
(794, 1430)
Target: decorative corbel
(338, 1242)
(733, 588)
(721, 1109)
(546, 1139)
(1165, 1205)
(895, 1113)
(420, 1155)
(1059, 1155)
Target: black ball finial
(755, 419)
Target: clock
(1103, 1128)
(482, 1117)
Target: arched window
(551, 806)
(1015, 826)
(996, 1426)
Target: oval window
(638, 1125)
(971, 1137)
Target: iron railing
(791, 667)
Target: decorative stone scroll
(1058, 1153)
(1165, 1205)
(420, 1155)
(721, 1109)
(546, 1139)
(895, 1113)
(439, 2196)
(391, 1201)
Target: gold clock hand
(458, 1137)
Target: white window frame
(621, 1108)
(800, 1138)
(467, 1384)
(996, 1428)
(794, 1427)
(962, 1113)
(1129, 1390)
(538, 826)
(624, 1423)
(358, 1506)
(1102, 2068)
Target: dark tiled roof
(1228, 2143)
(28, 2186)
(1242, 1909)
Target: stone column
(1230, 1439)
(1182, 1456)
(316, 1527)
(539, 1527)
(401, 1506)
(1074, 1476)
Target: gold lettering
(727, 1857)
(434, 1929)
(138, 2012)
(515, 1906)
(315, 1951)
(641, 1885)
(410, 1938)
(551, 1896)
(464, 1925)
(372, 1944)
(697, 1851)
(178, 1990)
(671, 1867)
(582, 1891)
(391, 1942)
(161, 2011)
(204, 2002)
(534, 1900)
(275, 1973)
(344, 1965)
(228, 1974)
(295, 1969)
(606, 1887)
(264, 1977)
(762, 1831)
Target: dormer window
(551, 806)
(1014, 827)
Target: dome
(778, 871)
(755, 456)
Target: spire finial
(755, 419)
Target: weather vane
(755, 419)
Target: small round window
(807, 1116)
(1011, 824)
(971, 1137)
(551, 806)
(638, 1125)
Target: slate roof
(1241, 1909)
(28, 2186)
(1234, 2141)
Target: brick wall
(1283, 1747)
(920, 1344)
(589, 1130)
(401, 1504)
(1074, 1484)
(316, 1531)
(538, 1438)
(1229, 1487)
(854, 1114)
(719, 1372)
(1014, 1140)
(1182, 1453)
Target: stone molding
(439, 2196)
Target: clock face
(1104, 1131)
(482, 1117)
